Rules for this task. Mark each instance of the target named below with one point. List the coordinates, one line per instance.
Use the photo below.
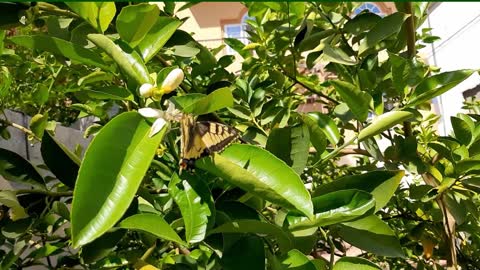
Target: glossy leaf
(383, 29)
(195, 209)
(38, 123)
(372, 234)
(462, 130)
(317, 136)
(15, 168)
(98, 14)
(63, 163)
(361, 23)
(199, 104)
(312, 41)
(337, 55)
(436, 85)
(283, 237)
(296, 260)
(126, 58)
(109, 92)
(327, 125)
(151, 223)
(158, 35)
(102, 246)
(348, 263)
(61, 47)
(381, 184)
(357, 100)
(16, 211)
(290, 144)
(261, 173)
(334, 207)
(120, 155)
(5, 80)
(131, 17)
(384, 122)
(246, 253)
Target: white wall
(458, 26)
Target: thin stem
(20, 127)
(52, 9)
(149, 252)
(315, 91)
(44, 192)
(334, 153)
(332, 248)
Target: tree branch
(44, 192)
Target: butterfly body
(202, 138)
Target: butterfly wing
(203, 138)
(216, 136)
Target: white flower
(146, 90)
(172, 81)
(171, 114)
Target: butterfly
(202, 138)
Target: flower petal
(172, 81)
(146, 90)
(157, 126)
(151, 112)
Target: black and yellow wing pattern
(202, 138)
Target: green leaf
(385, 28)
(326, 124)
(317, 136)
(337, 55)
(61, 47)
(8, 198)
(312, 41)
(15, 168)
(361, 23)
(61, 209)
(467, 165)
(158, 35)
(38, 123)
(119, 155)
(348, 263)
(283, 237)
(96, 76)
(193, 206)
(98, 14)
(436, 85)
(5, 81)
(257, 171)
(102, 246)
(357, 100)
(463, 132)
(334, 207)
(237, 46)
(296, 260)
(381, 184)
(384, 122)
(126, 58)
(291, 145)
(199, 104)
(63, 163)
(135, 21)
(371, 234)
(109, 92)
(246, 253)
(40, 96)
(151, 223)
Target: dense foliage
(302, 191)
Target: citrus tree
(279, 198)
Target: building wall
(458, 26)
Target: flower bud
(172, 81)
(146, 90)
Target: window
(238, 31)
(370, 7)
